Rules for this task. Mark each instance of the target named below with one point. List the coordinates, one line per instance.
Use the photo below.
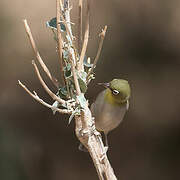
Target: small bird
(110, 106)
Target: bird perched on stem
(110, 106)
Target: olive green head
(118, 91)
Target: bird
(110, 106)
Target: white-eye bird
(111, 105)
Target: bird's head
(118, 91)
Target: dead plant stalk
(84, 122)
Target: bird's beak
(106, 85)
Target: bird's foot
(82, 148)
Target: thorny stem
(90, 138)
(85, 123)
(67, 15)
(67, 23)
(73, 69)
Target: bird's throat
(109, 98)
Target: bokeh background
(142, 45)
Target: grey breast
(107, 117)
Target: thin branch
(59, 39)
(30, 36)
(73, 69)
(102, 36)
(73, 61)
(66, 19)
(36, 97)
(67, 28)
(80, 26)
(53, 96)
(67, 15)
(85, 42)
(67, 23)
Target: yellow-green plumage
(111, 105)
(120, 85)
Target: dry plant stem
(73, 69)
(102, 36)
(67, 16)
(36, 97)
(89, 137)
(67, 29)
(85, 42)
(85, 128)
(71, 50)
(28, 31)
(59, 39)
(80, 26)
(53, 96)
(67, 23)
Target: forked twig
(102, 36)
(53, 96)
(36, 97)
(30, 36)
(85, 42)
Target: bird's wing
(97, 105)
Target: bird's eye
(115, 92)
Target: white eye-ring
(115, 92)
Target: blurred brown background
(142, 45)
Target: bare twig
(36, 97)
(85, 42)
(102, 35)
(28, 31)
(53, 96)
(80, 26)
(59, 39)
